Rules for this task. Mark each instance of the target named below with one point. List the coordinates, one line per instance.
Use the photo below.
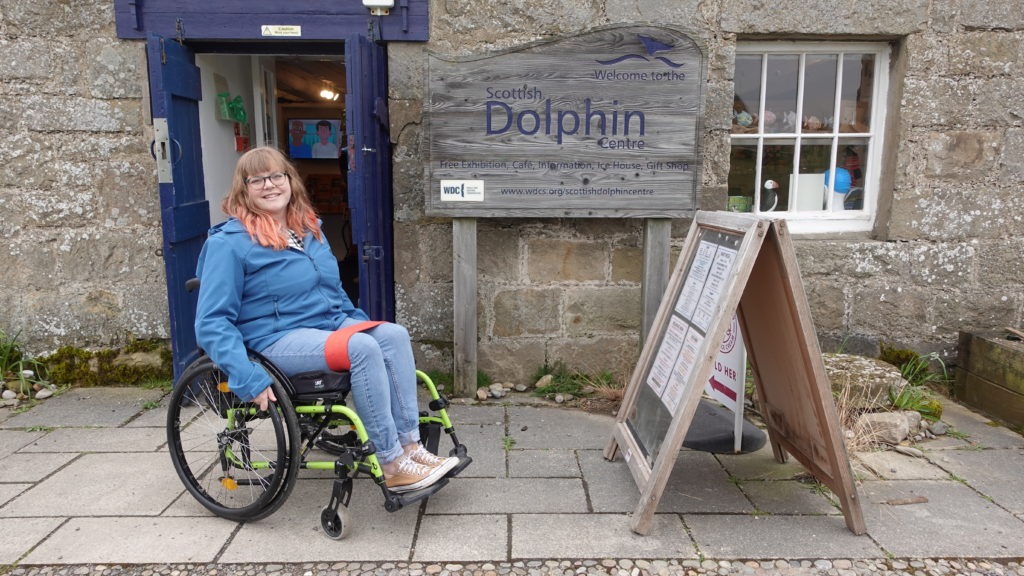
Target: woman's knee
(392, 332)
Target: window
(805, 142)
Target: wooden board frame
(762, 286)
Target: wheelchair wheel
(336, 524)
(238, 462)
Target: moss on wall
(139, 362)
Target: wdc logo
(462, 190)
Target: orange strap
(336, 347)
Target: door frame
(376, 276)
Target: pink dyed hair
(261, 226)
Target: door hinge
(161, 150)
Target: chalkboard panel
(667, 379)
(603, 124)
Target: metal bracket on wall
(161, 150)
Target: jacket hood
(231, 225)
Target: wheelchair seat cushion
(320, 385)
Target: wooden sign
(733, 264)
(604, 124)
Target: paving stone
(788, 497)
(32, 467)
(509, 496)
(446, 538)
(21, 534)
(777, 536)
(99, 440)
(543, 464)
(955, 521)
(597, 536)
(553, 428)
(85, 407)
(988, 471)
(133, 540)
(889, 465)
(293, 533)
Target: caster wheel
(336, 524)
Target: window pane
(853, 155)
(858, 86)
(819, 92)
(777, 170)
(809, 189)
(747, 99)
(780, 94)
(742, 172)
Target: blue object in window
(842, 183)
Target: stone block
(426, 310)
(859, 382)
(878, 308)
(627, 264)
(560, 260)
(527, 311)
(616, 354)
(513, 360)
(407, 71)
(597, 310)
(54, 19)
(991, 14)
(423, 252)
(828, 305)
(793, 16)
(991, 260)
(116, 69)
(1012, 160)
(498, 254)
(961, 155)
(882, 427)
(46, 113)
(985, 53)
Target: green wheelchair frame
(242, 463)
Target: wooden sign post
(732, 264)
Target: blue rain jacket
(251, 295)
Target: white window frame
(827, 221)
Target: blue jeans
(383, 379)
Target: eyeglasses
(277, 178)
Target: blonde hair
(260, 225)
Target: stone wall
(946, 251)
(79, 206)
(81, 262)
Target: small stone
(521, 387)
(938, 428)
(9, 395)
(545, 380)
(482, 394)
(44, 393)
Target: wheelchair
(242, 463)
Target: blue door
(369, 174)
(175, 94)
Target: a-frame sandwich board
(742, 264)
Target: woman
(270, 283)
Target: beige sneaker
(423, 456)
(412, 476)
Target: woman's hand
(263, 399)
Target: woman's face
(270, 191)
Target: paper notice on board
(690, 295)
(675, 391)
(721, 268)
(661, 370)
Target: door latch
(372, 253)
(161, 150)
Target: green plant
(14, 364)
(508, 442)
(568, 381)
(150, 405)
(917, 398)
(918, 370)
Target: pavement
(85, 479)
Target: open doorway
(293, 102)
